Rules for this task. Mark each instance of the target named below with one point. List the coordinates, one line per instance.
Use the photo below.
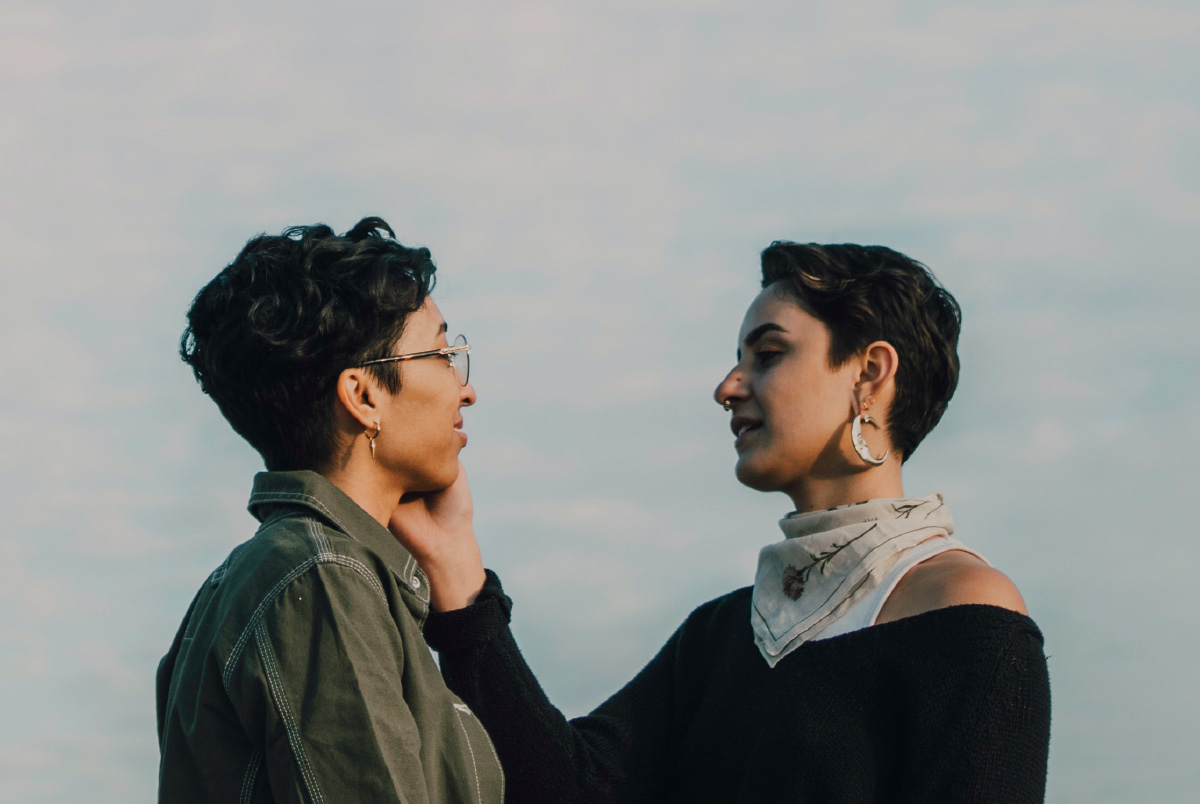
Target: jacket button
(416, 582)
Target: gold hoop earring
(371, 438)
(860, 443)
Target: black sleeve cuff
(479, 622)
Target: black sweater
(948, 706)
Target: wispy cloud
(595, 183)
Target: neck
(368, 485)
(813, 494)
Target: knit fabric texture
(949, 706)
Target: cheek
(801, 409)
(424, 420)
(784, 401)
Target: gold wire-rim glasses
(460, 347)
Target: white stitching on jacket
(255, 618)
(240, 645)
(471, 748)
(318, 536)
(288, 496)
(275, 685)
(250, 778)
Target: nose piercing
(727, 404)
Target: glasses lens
(462, 360)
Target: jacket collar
(274, 492)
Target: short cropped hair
(872, 293)
(268, 337)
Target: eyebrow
(754, 335)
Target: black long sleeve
(952, 705)
(547, 758)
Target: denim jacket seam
(471, 749)
(279, 694)
(239, 646)
(251, 777)
(260, 610)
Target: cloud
(34, 594)
(595, 183)
(1049, 442)
(511, 457)
(617, 522)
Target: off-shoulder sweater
(948, 706)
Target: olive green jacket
(300, 672)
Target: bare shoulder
(953, 578)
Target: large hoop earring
(860, 443)
(371, 438)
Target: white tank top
(864, 613)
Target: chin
(756, 477)
(438, 480)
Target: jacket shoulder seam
(256, 617)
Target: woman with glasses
(299, 672)
(874, 657)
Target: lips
(458, 429)
(740, 425)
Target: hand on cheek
(436, 527)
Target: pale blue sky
(595, 184)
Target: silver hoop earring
(371, 438)
(860, 443)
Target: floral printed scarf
(830, 560)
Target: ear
(877, 375)
(359, 395)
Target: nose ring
(727, 404)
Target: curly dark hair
(269, 335)
(872, 293)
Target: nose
(730, 388)
(467, 398)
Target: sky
(595, 182)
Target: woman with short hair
(874, 658)
(299, 672)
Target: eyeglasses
(459, 354)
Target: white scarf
(831, 560)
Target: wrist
(450, 592)
(455, 577)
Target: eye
(765, 357)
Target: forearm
(546, 758)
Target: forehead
(423, 326)
(775, 306)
